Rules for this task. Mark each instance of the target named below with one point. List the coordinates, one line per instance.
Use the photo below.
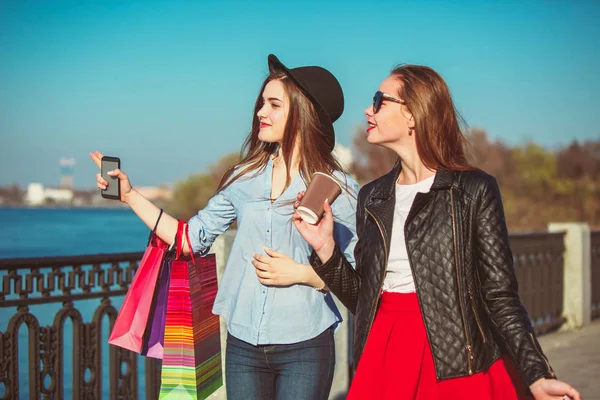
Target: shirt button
(268, 231)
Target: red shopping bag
(128, 330)
(191, 367)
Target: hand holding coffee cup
(321, 187)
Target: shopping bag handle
(153, 233)
(183, 229)
(157, 220)
(179, 239)
(187, 238)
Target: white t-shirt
(398, 277)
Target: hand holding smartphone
(113, 190)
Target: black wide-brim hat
(321, 88)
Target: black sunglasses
(380, 97)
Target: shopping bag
(153, 343)
(191, 367)
(130, 325)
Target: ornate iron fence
(30, 282)
(539, 265)
(595, 246)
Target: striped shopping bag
(191, 367)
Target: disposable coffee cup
(321, 187)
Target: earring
(410, 131)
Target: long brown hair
(440, 140)
(302, 121)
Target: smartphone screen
(113, 190)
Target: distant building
(66, 173)
(84, 198)
(38, 195)
(11, 195)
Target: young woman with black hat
(280, 319)
(434, 293)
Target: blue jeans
(295, 371)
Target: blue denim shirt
(255, 313)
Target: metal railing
(31, 282)
(595, 250)
(539, 265)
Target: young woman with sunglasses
(434, 293)
(280, 318)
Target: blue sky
(168, 86)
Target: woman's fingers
(96, 158)
(262, 258)
(299, 196)
(267, 282)
(305, 229)
(118, 173)
(299, 223)
(101, 180)
(327, 207)
(262, 274)
(273, 254)
(264, 277)
(260, 265)
(563, 387)
(573, 394)
(328, 217)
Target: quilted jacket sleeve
(339, 275)
(499, 287)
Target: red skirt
(397, 362)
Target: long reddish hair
(302, 123)
(441, 143)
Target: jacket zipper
(541, 355)
(477, 318)
(462, 312)
(384, 269)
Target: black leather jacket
(462, 266)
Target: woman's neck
(279, 161)
(413, 169)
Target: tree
(579, 162)
(193, 193)
(538, 185)
(218, 169)
(495, 158)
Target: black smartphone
(113, 190)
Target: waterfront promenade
(575, 356)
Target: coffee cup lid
(307, 215)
